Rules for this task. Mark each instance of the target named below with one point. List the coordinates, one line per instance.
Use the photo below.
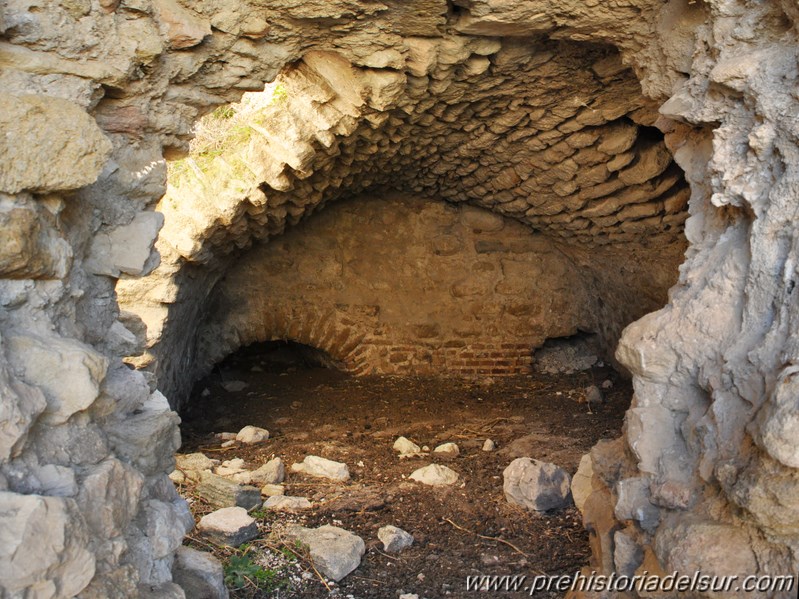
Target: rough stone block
(68, 372)
(229, 526)
(221, 492)
(55, 145)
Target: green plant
(241, 571)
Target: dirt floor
(315, 411)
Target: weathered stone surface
(334, 551)
(228, 526)
(69, 373)
(192, 465)
(581, 483)
(31, 247)
(251, 435)
(536, 485)
(55, 144)
(435, 475)
(148, 438)
(394, 539)
(272, 490)
(450, 449)
(444, 124)
(406, 448)
(286, 503)
(220, 492)
(199, 574)
(43, 544)
(321, 467)
(126, 249)
(271, 473)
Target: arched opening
(426, 226)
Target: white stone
(230, 467)
(250, 435)
(489, 445)
(394, 539)
(448, 448)
(199, 574)
(406, 447)
(287, 503)
(43, 543)
(536, 485)
(68, 372)
(323, 468)
(435, 475)
(229, 526)
(335, 552)
(271, 473)
(581, 485)
(126, 249)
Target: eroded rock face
(511, 110)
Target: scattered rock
(199, 574)
(234, 386)
(409, 596)
(286, 503)
(489, 445)
(272, 490)
(225, 436)
(607, 384)
(581, 485)
(323, 468)
(271, 473)
(196, 462)
(335, 552)
(229, 526)
(230, 467)
(406, 448)
(536, 485)
(221, 492)
(230, 443)
(250, 435)
(448, 448)
(394, 539)
(435, 475)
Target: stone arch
(711, 428)
(579, 164)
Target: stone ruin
(583, 151)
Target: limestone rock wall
(423, 94)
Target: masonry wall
(395, 284)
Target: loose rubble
(286, 503)
(394, 539)
(228, 526)
(335, 552)
(323, 468)
(406, 448)
(251, 435)
(435, 475)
